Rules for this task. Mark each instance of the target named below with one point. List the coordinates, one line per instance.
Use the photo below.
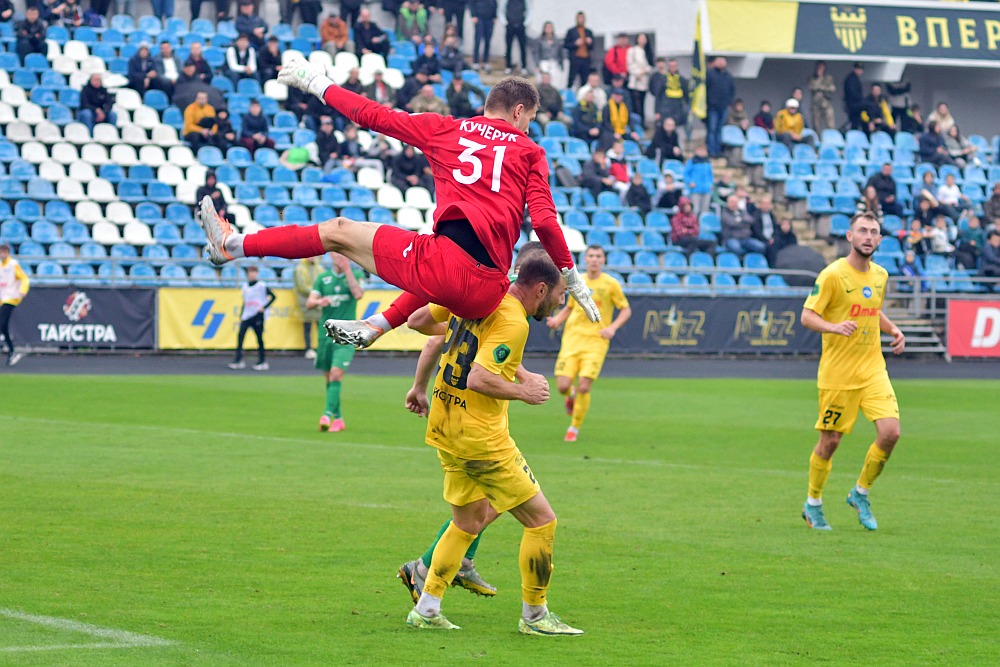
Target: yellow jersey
(579, 331)
(843, 293)
(463, 422)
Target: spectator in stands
(551, 101)
(616, 59)
(668, 195)
(876, 114)
(991, 207)
(451, 55)
(685, 230)
(600, 95)
(719, 93)
(95, 103)
(764, 118)
(942, 116)
(199, 118)
(790, 125)
(241, 60)
(586, 117)
(991, 258)
(516, 17)
(379, 91)
(428, 102)
(738, 114)
(743, 197)
(6, 11)
(210, 189)
(596, 175)
(223, 135)
(579, 42)
(410, 169)
(941, 235)
(368, 37)
(459, 102)
(354, 157)
(763, 222)
(699, 179)
(142, 73)
(637, 196)
(254, 130)
(269, 60)
(250, 24)
(932, 147)
(869, 203)
(670, 92)
(736, 230)
(926, 210)
(429, 62)
(30, 34)
(666, 143)
(168, 67)
(970, 241)
(951, 201)
(453, 12)
(327, 145)
(914, 241)
(411, 87)
(783, 237)
(353, 82)
(334, 35)
(71, 16)
(308, 109)
(909, 266)
(202, 69)
(350, 11)
(640, 68)
(898, 95)
(616, 120)
(854, 96)
(310, 11)
(618, 167)
(822, 89)
(913, 120)
(959, 148)
(885, 188)
(411, 22)
(484, 17)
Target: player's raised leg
(414, 573)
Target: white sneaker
(14, 358)
(310, 354)
(261, 367)
(237, 365)
(358, 333)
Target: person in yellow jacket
(14, 285)
(306, 272)
(790, 126)
(197, 132)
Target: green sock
(333, 399)
(470, 553)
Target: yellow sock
(447, 559)
(580, 407)
(535, 561)
(874, 462)
(819, 470)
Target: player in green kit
(337, 291)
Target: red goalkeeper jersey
(485, 170)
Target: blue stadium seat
(382, 215)
(166, 233)
(751, 283)
(353, 212)
(150, 25)
(710, 222)
(157, 99)
(41, 189)
(93, 251)
(845, 204)
(727, 260)
(732, 135)
(156, 253)
(599, 237)
(305, 195)
(696, 280)
(123, 251)
(266, 157)
(267, 215)
(892, 224)
(839, 224)
(79, 273)
(160, 192)
(724, 281)
(247, 194)
(277, 195)
(625, 241)
(361, 197)
(210, 156)
(775, 281)
(604, 221)
(753, 260)
(295, 214)
(194, 234)
(59, 250)
(284, 176)
(646, 259)
(754, 154)
(184, 253)
(796, 189)
(75, 232)
(775, 171)
(111, 271)
(173, 117)
(333, 195)
(203, 275)
(322, 213)
(757, 136)
(667, 279)
(283, 119)
(249, 87)
(674, 260)
(652, 240)
(148, 212)
(658, 220)
(174, 275)
(60, 115)
(617, 258)
(36, 62)
(28, 210)
(130, 191)
(803, 153)
(639, 279)
(30, 249)
(701, 260)
(556, 128)
(819, 205)
(44, 231)
(308, 31)
(631, 221)
(143, 274)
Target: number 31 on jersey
(468, 156)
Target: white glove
(305, 76)
(579, 291)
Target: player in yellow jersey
(846, 307)
(485, 472)
(585, 343)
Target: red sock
(289, 241)
(401, 309)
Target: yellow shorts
(838, 408)
(506, 483)
(585, 362)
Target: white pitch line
(119, 638)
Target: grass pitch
(207, 512)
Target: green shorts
(330, 355)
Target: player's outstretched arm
(416, 398)
(811, 320)
(534, 390)
(887, 326)
(422, 321)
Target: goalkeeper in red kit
(486, 170)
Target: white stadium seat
(393, 77)
(321, 58)
(419, 197)
(106, 133)
(82, 171)
(152, 156)
(389, 197)
(19, 132)
(371, 62)
(242, 215)
(53, 49)
(71, 191)
(47, 133)
(92, 64)
(227, 192)
(429, 216)
(101, 191)
(64, 153)
(124, 155)
(120, 213)
(95, 154)
(13, 95)
(196, 173)
(76, 133)
(134, 135)
(137, 233)
(170, 174)
(52, 171)
(30, 113)
(88, 212)
(6, 113)
(409, 218)
(128, 99)
(4, 78)
(186, 191)
(146, 118)
(77, 80)
(105, 233)
(370, 178)
(164, 135)
(64, 65)
(289, 55)
(76, 51)
(181, 156)
(114, 81)
(34, 152)
(574, 239)
(345, 60)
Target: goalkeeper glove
(305, 76)
(579, 291)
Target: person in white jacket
(639, 70)
(14, 285)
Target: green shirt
(334, 285)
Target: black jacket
(327, 144)
(32, 32)
(516, 12)
(638, 196)
(591, 177)
(885, 186)
(138, 68)
(484, 10)
(364, 34)
(569, 41)
(719, 88)
(267, 64)
(662, 146)
(853, 94)
(96, 98)
(253, 124)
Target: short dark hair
(4, 246)
(510, 92)
(538, 269)
(867, 215)
(527, 251)
(597, 246)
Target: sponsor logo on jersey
(867, 291)
(500, 353)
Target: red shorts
(436, 269)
